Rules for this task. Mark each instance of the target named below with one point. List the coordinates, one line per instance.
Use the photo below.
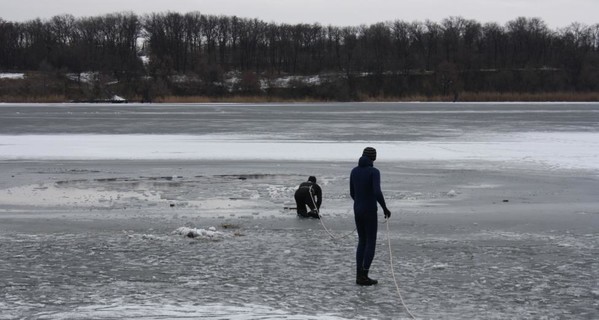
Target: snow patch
(85, 77)
(578, 150)
(210, 234)
(145, 60)
(452, 193)
(12, 76)
(289, 81)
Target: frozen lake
(495, 211)
(551, 135)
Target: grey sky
(556, 13)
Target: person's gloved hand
(387, 213)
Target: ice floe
(209, 234)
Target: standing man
(365, 190)
(308, 194)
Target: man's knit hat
(312, 179)
(369, 152)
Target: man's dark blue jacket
(365, 187)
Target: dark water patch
(256, 176)
(167, 178)
(156, 181)
(65, 171)
(82, 171)
(71, 182)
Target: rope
(390, 252)
(393, 272)
(390, 263)
(322, 223)
(330, 234)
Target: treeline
(390, 59)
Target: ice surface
(489, 219)
(577, 150)
(180, 311)
(293, 271)
(61, 195)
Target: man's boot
(363, 280)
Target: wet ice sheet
(180, 311)
(323, 122)
(579, 150)
(295, 272)
(53, 194)
(217, 195)
(456, 256)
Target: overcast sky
(556, 13)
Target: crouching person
(308, 194)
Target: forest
(159, 55)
